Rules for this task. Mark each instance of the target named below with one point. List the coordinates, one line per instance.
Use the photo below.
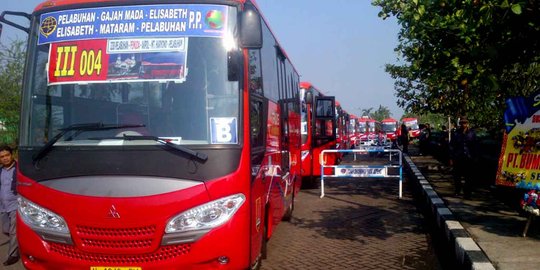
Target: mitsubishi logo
(113, 213)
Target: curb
(467, 252)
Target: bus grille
(114, 232)
(116, 238)
(131, 244)
(163, 254)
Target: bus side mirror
(250, 28)
(308, 98)
(14, 13)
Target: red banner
(78, 61)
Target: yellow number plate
(114, 268)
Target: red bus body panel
(96, 236)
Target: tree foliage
(461, 57)
(367, 112)
(11, 75)
(436, 120)
(381, 113)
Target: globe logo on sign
(48, 26)
(214, 19)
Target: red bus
(375, 133)
(372, 131)
(189, 169)
(349, 130)
(318, 131)
(363, 130)
(342, 137)
(412, 125)
(390, 127)
(354, 130)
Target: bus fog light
(223, 260)
(40, 218)
(206, 216)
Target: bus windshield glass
(412, 125)
(371, 126)
(389, 126)
(362, 127)
(162, 69)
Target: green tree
(381, 113)
(434, 119)
(464, 56)
(366, 112)
(11, 74)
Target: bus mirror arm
(233, 65)
(14, 13)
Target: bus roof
(308, 85)
(409, 119)
(58, 3)
(389, 120)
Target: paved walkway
(3, 251)
(486, 230)
(360, 224)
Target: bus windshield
(389, 126)
(371, 126)
(412, 125)
(144, 66)
(362, 127)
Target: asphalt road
(360, 224)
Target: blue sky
(340, 46)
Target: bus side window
(256, 123)
(324, 108)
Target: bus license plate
(114, 268)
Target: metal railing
(363, 170)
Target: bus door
(285, 137)
(287, 145)
(324, 128)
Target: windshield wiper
(183, 149)
(79, 128)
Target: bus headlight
(206, 216)
(41, 219)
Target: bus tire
(309, 182)
(257, 264)
(289, 212)
(264, 245)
